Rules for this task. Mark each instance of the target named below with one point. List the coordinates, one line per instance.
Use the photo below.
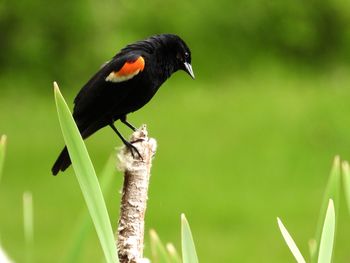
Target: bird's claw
(137, 140)
(133, 149)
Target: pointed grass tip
(3, 139)
(336, 159)
(153, 234)
(55, 86)
(171, 249)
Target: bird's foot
(133, 150)
(137, 140)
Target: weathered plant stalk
(134, 197)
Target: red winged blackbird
(125, 84)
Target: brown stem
(134, 196)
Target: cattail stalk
(136, 171)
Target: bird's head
(178, 52)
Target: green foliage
(346, 182)
(71, 40)
(173, 255)
(290, 242)
(256, 143)
(28, 225)
(189, 254)
(28, 217)
(327, 237)
(159, 253)
(332, 192)
(2, 153)
(84, 223)
(87, 179)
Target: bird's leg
(123, 120)
(131, 147)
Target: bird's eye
(187, 55)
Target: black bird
(125, 84)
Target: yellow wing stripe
(128, 71)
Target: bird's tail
(62, 163)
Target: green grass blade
(346, 182)
(173, 255)
(159, 254)
(28, 225)
(4, 258)
(79, 238)
(332, 192)
(327, 237)
(108, 175)
(290, 242)
(312, 248)
(189, 254)
(87, 179)
(84, 226)
(3, 140)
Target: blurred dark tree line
(65, 39)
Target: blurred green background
(252, 138)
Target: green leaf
(159, 254)
(327, 237)
(80, 236)
(290, 242)
(28, 217)
(3, 140)
(346, 181)
(28, 225)
(332, 192)
(312, 247)
(84, 224)
(4, 258)
(189, 254)
(173, 255)
(87, 179)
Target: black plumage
(125, 84)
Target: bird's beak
(188, 69)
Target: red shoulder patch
(127, 71)
(131, 67)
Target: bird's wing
(94, 94)
(119, 69)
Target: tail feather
(62, 163)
